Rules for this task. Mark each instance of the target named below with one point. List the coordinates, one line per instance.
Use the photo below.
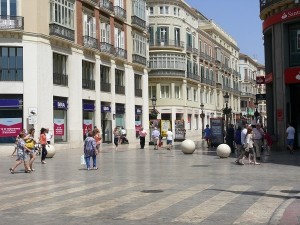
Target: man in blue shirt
(207, 135)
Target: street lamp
(153, 111)
(226, 110)
(256, 113)
(202, 115)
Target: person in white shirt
(240, 159)
(169, 139)
(258, 134)
(155, 137)
(48, 136)
(290, 136)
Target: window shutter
(116, 38)
(94, 28)
(85, 24)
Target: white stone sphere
(188, 146)
(50, 151)
(223, 150)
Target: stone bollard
(50, 151)
(223, 151)
(188, 146)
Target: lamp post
(202, 115)
(153, 111)
(256, 113)
(226, 110)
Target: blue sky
(240, 19)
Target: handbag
(29, 143)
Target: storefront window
(60, 120)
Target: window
(62, 12)
(8, 7)
(119, 77)
(188, 40)
(188, 93)
(195, 95)
(165, 91)
(105, 32)
(161, 10)
(177, 36)
(177, 92)
(164, 10)
(151, 12)
(137, 81)
(139, 8)
(11, 64)
(151, 91)
(87, 70)
(119, 38)
(59, 63)
(118, 3)
(89, 26)
(104, 74)
(167, 61)
(163, 34)
(139, 44)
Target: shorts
(169, 142)
(290, 141)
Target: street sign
(261, 97)
(32, 120)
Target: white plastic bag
(82, 160)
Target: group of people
(91, 148)
(120, 136)
(156, 138)
(27, 148)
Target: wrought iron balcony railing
(106, 5)
(90, 42)
(11, 75)
(105, 87)
(168, 72)
(167, 43)
(139, 59)
(62, 32)
(138, 22)
(60, 79)
(88, 84)
(208, 81)
(120, 89)
(266, 3)
(11, 22)
(107, 48)
(120, 12)
(193, 76)
(122, 53)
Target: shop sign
(88, 107)
(292, 75)
(10, 127)
(105, 108)
(87, 125)
(260, 80)
(59, 127)
(9, 103)
(269, 78)
(60, 105)
(138, 111)
(261, 97)
(280, 114)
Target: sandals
(11, 170)
(27, 171)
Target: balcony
(167, 72)
(11, 22)
(107, 48)
(139, 59)
(138, 22)
(207, 81)
(94, 2)
(267, 3)
(105, 87)
(167, 44)
(90, 42)
(195, 51)
(62, 32)
(120, 89)
(122, 53)
(11, 75)
(193, 76)
(189, 49)
(88, 84)
(106, 5)
(120, 12)
(60, 79)
(138, 92)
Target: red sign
(10, 127)
(59, 127)
(87, 126)
(269, 78)
(260, 80)
(282, 16)
(280, 114)
(292, 75)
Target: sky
(238, 18)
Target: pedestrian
(207, 135)
(240, 159)
(30, 143)
(230, 137)
(268, 142)
(249, 146)
(258, 134)
(90, 151)
(43, 142)
(123, 135)
(155, 137)
(290, 136)
(21, 155)
(169, 139)
(117, 135)
(48, 136)
(16, 142)
(98, 138)
(142, 134)
(237, 140)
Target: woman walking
(98, 138)
(249, 143)
(30, 144)
(43, 142)
(117, 135)
(21, 154)
(142, 134)
(90, 151)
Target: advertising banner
(165, 126)
(59, 127)
(179, 130)
(87, 125)
(217, 129)
(10, 127)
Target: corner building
(70, 65)
(281, 30)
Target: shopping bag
(82, 160)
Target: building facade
(74, 65)
(281, 30)
(193, 63)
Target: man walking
(142, 134)
(258, 134)
(290, 136)
(155, 137)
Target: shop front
(60, 108)
(11, 118)
(106, 123)
(138, 120)
(88, 108)
(120, 115)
